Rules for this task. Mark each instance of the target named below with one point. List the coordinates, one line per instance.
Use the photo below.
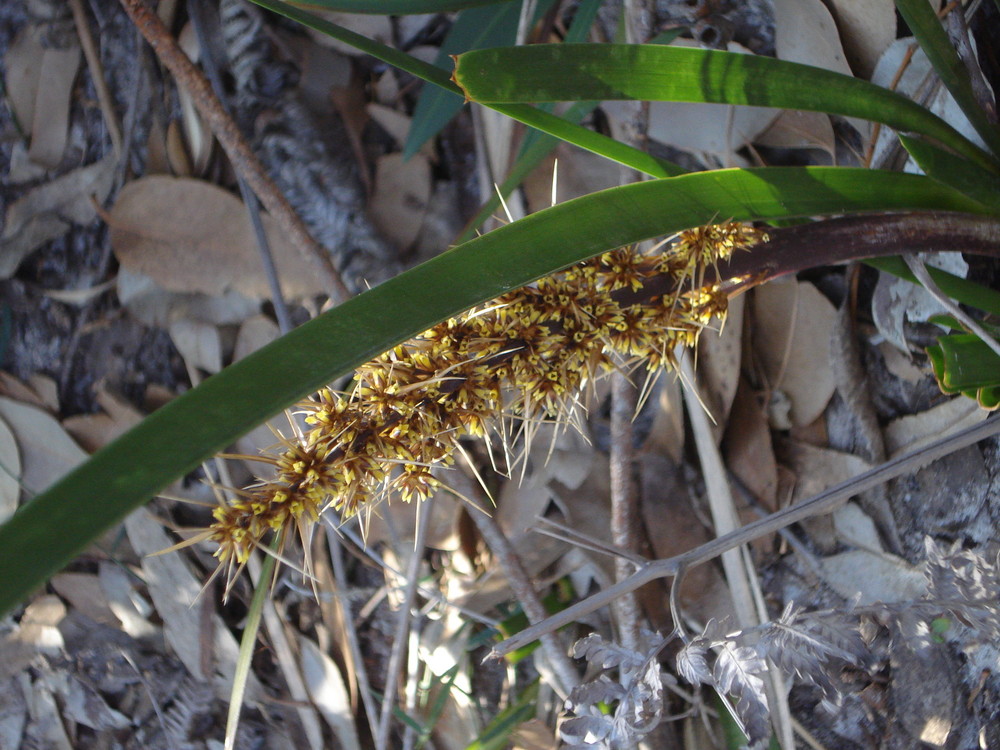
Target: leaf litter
(798, 642)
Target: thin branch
(564, 672)
(916, 264)
(198, 12)
(624, 502)
(237, 149)
(97, 76)
(821, 504)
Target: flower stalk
(520, 359)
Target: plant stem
(564, 672)
(624, 502)
(235, 145)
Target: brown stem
(832, 241)
(237, 149)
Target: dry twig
(233, 142)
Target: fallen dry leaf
(47, 390)
(84, 592)
(176, 594)
(328, 692)
(748, 449)
(14, 389)
(93, 431)
(154, 306)
(10, 472)
(191, 236)
(792, 325)
(872, 577)
(719, 356)
(867, 28)
(40, 81)
(806, 33)
(402, 190)
(47, 452)
(897, 301)
(48, 211)
(914, 431)
(199, 344)
(797, 129)
(255, 332)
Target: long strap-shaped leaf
(536, 118)
(933, 39)
(572, 72)
(55, 526)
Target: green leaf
(498, 732)
(967, 362)
(562, 72)
(55, 526)
(544, 121)
(962, 290)
(396, 7)
(926, 27)
(475, 28)
(962, 175)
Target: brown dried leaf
(39, 84)
(719, 356)
(797, 129)
(867, 28)
(47, 211)
(84, 592)
(793, 323)
(747, 446)
(402, 190)
(14, 389)
(917, 430)
(576, 172)
(93, 431)
(191, 236)
(255, 332)
(47, 452)
(805, 32)
(10, 472)
(199, 343)
(187, 628)
(326, 688)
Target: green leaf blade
(541, 73)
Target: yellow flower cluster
(523, 356)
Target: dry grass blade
(742, 578)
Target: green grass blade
(475, 28)
(544, 121)
(248, 644)
(497, 734)
(56, 525)
(953, 170)
(561, 72)
(396, 7)
(933, 39)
